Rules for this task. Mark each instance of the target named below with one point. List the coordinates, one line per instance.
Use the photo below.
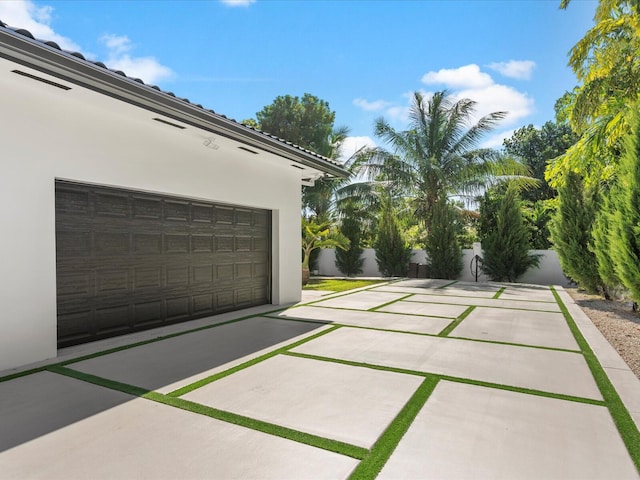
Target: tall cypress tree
(625, 222)
(444, 255)
(392, 252)
(350, 261)
(602, 232)
(506, 246)
(571, 233)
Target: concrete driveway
(412, 379)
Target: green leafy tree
(606, 62)
(444, 255)
(571, 232)
(307, 121)
(536, 216)
(506, 245)
(625, 222)
(535, 147)
(350, 261)
(392, 252)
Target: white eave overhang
(17, 46)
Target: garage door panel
(132, 260)
(112, 205)
(76, 325)
(178, 307)
(112, 319)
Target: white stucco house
(125, 208)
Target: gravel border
(616, 321)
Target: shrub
(392, 253)
(350, 261)
(571, 233)
(506, 246)
(625, 222)
(444, 255)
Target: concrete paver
(143, 439)
(418, 308)
(325, 399)
(360, 300)
(172, 363)
(485, 302)
(529, 293)
(389, 321)
(53, 426)
(44, 402)
(546, 329)
(467, 431)
(440, 291)
(547, 370)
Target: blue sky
(363, 57)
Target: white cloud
(499, 98)
(519, 69)
(116, 43)
(25, 14)
(468, 76)
(370, 106)
(238, 3)
(37, 19)
(470, 82)
(146, 68)
(351, 145)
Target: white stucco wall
(549, 272)
(47, 133)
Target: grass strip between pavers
(101, 353)
(449, 328)
(424, 334)
(498, 293)
(468, 381)
(372, 463)
(205, 381)
(373, 309)
(621, 417)
(446, 285)
(336, 446)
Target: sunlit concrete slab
(174, 362)
(539, 369)
(436, 291)
(467, 431)
(41, 403)
(422, 283)
(530, 293)
(144, 439)
(545, 329)
(486, 302)
(361, 300)
(432, 309)
(341, 402)
(388, 321)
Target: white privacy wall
(47, 133)
(549, 272)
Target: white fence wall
(548, 273)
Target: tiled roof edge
(80, 56)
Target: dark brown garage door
(129, 261)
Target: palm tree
(438, 155)
(317, 235)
